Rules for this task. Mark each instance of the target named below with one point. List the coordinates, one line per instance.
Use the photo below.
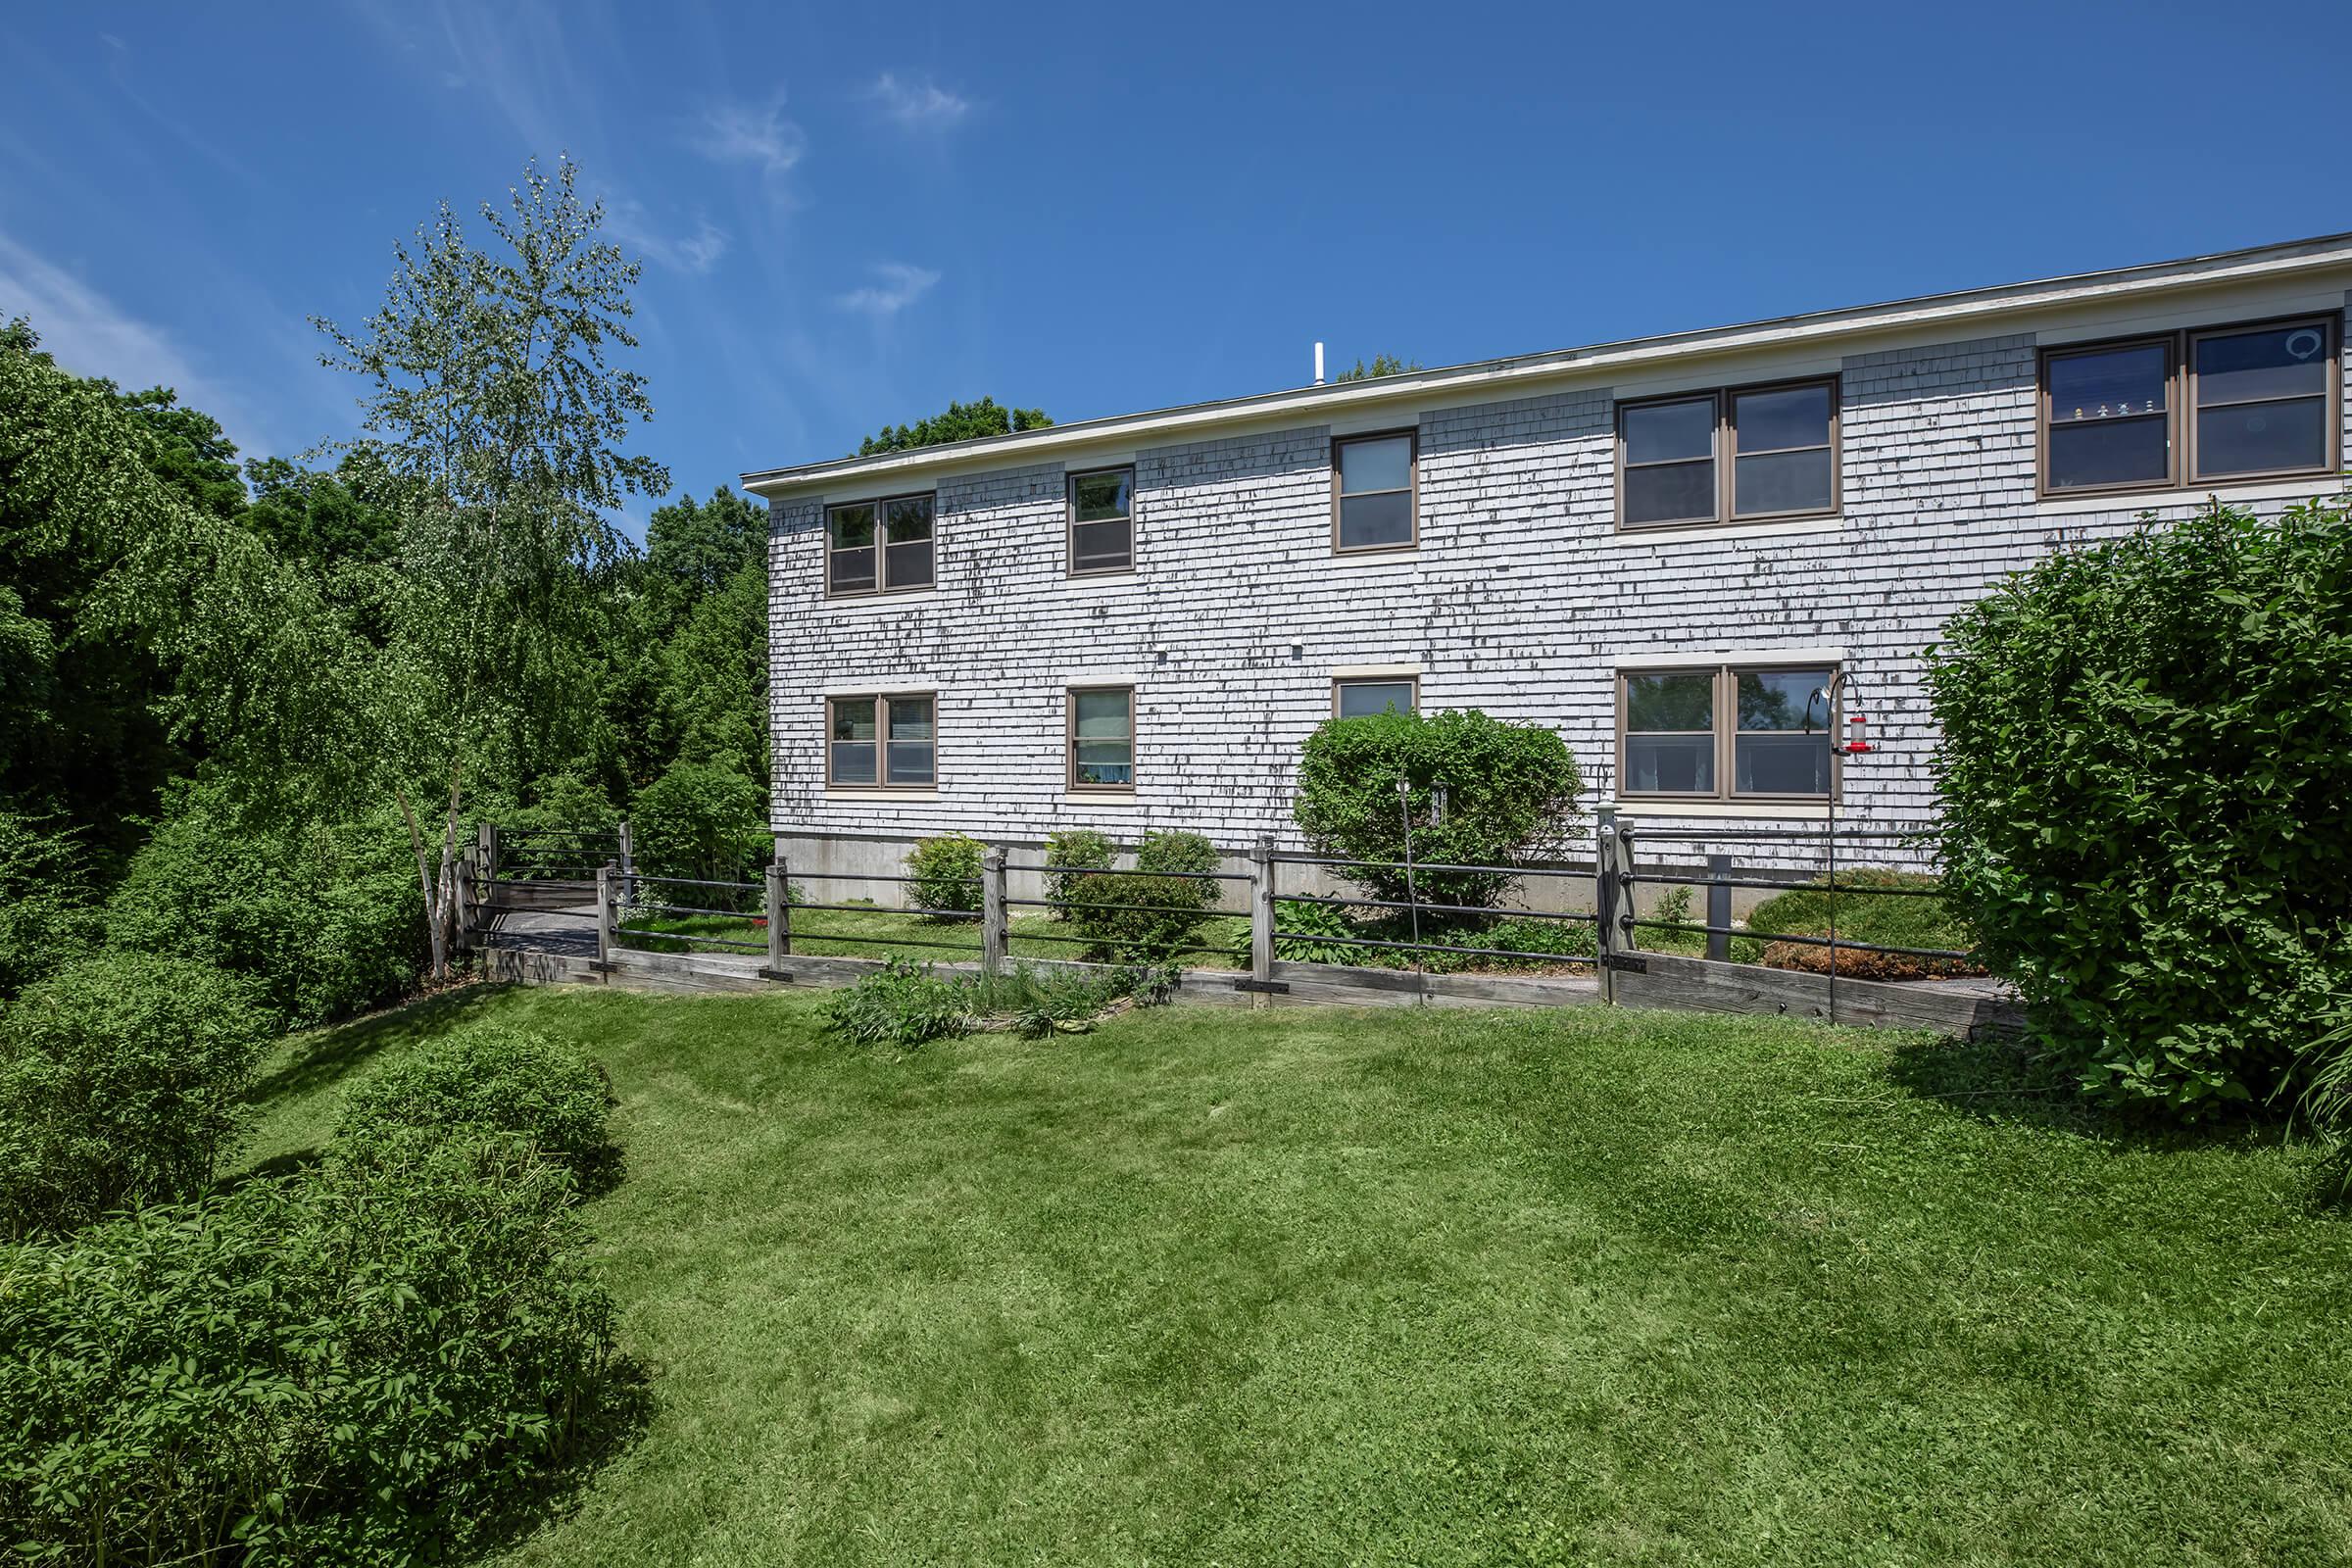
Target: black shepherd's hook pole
(1833, 714)
(1405, 808)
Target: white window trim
(1699, 656)
(1376, 672)
(882, 686)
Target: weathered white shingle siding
(1520, 600)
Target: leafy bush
(123, 1080)
(702, 820)
(2146, 823)
(1320, 934)
(947, 874)
(903, 1004)
(494, 1078)
(1035, 1002)
(1145, 915)
(1523, 934)
(369, 1363)
(326, 918)
(46, 912)
(1511, 798)
(1069, 854)
(1861, 917)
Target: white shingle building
(1662, 549)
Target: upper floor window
(1723, 732)
(1356, 697)
(881, 742)
(2260, 402)
(1101, 742)
(1739, 455)
(878, 546)
(1372, 491)
(1102, 521)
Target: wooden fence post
(604, 919)
(628, 865)
(1718, 908)
(996, 936)
(779, 919)
(1261, 921)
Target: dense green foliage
(1148, 914)
(702, 820)
(122, 1081)
(1437, 1286)
(1381, 365)
(906, 1004)
(1069, 853)
(2146, 818)
(46, 912)
(327, 919)
(491, 1078)
(947, 873)
(374, 1362)
(960, 422)
(1511, 799)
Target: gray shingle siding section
(1520, 600)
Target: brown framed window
(1102, 521)
(1723, 732)
(1744, 454)
(878, 546)
(1102, 738)
(1356, 696)
(882, 741)
(2255, 400)
(1372, 491)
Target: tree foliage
(960, 422)
(2145, 819)
(1511, 794)
(1381, 365)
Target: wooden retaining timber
(1964, 1010)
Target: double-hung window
(1372, 483)
(1102, 521)
(1752, 454)
(1102, 738)
(878, 546)
(881, 742)
(1726, 733)
(2212, 406)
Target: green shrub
(363, 1364)
(1145, 915)
(1069, 854)
(46, 915)
(123, 1080)
(947, 874)
(703, 820)
(1320, 933)
(2146, 823)
(492, 1078)
(326, 918)
(903, 1004)
(1523, 934)
(1511, 799)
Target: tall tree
(1381, 365)
(493, 406)
(961, 421)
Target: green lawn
(1335, 1287)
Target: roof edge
(2286, 256)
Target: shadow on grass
(329, 1054)
(2017, 1084)
(624, 1406)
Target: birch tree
(492, 402)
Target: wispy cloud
(627, 221)
(88, 334)
(900, 285)
(917, 105)
(739, 133)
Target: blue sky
(851, 215)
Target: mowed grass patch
(1325, 1286)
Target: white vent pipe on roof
(1319, 364)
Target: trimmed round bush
(2144, 771)
(1511, 794)
(1069, 855)
(489, 1078)
(364, 1364)
(123, 1080)
(1143, 915)
(703, 820)
(947, 874)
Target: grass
(1313, 1286)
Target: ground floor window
(1356, 696)
(1102, 738)
(1726, 732)
(882, 741)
